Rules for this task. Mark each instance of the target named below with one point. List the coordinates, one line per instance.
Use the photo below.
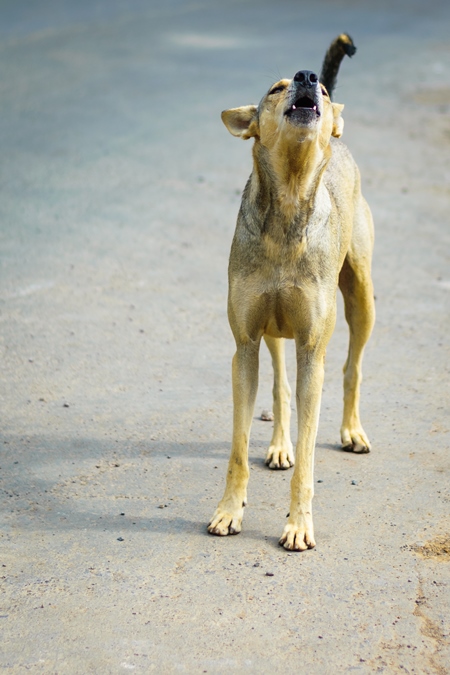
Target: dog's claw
(355, 441)
(279, 458)
(222, 530)
(357, 448)
(224, 523)
(298, 538)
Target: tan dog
(303, 229)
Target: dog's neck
(290, 174)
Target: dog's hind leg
(356, 286)
(280, 454)
(228, 516)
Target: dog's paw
(298, 537)
(280, 457)
(355, 440)
(224, 522)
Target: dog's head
(298, 109)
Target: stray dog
(303, 229)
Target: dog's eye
(276, 90)
(324, 92)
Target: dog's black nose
(306, 77)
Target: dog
(303, 229)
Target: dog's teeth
(294, 107)
(315, 108)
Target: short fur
(303, 229)
(341, 46)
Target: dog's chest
(281, 277)
(281, 300)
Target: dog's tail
(341, 46)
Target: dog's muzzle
(305, 99)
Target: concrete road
(119, 193)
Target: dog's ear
(338, 122)
(241, 122)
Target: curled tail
(341, 46)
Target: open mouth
(303, 107)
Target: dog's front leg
(298, 534)
(228, 516)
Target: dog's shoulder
(340, 152)
(342, 172)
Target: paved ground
(119, 192)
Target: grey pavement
(119, 193)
